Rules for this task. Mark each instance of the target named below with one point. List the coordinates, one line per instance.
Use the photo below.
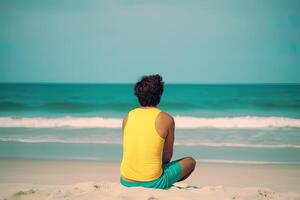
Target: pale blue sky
(93, 41)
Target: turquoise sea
(214, 123)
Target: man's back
(142, 146)
(148, 138)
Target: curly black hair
(149, 90)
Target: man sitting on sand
(148, 138)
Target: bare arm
(169, 142)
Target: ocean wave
(56, 140)
(237, 145)
(72, 106)
(102, 141)
(254, 162)
(244, 122)
(74, 122)
(9, 105)
(62, 106)
(184, 122)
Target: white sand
(87, 180)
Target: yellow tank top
(142, 146)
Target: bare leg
(187, 166)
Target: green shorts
(171, 174)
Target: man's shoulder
(128, 113)
(166, 117)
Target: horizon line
(131, 83)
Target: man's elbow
(167, 158)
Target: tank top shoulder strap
(153, 110)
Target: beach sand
(87, 180)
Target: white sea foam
(58, 140)
(184, 122)
(245, 122)
(241, 145)
(254, 162)
(75, 122)
(103, 141)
